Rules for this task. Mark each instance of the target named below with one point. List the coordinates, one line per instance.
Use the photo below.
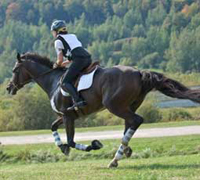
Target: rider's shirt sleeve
(58, 46)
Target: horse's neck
(48, 82)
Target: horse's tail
(167, 86)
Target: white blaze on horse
(120, 89)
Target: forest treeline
(159, 34)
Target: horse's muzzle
(11, 89)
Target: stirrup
(77, 105)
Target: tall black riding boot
(78, 101)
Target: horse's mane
(37, 58)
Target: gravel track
(143, 133)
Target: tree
(156, 16)
(32, 109)
(150, 61)
(120, 8)
(13, 11)
(195, 21)
(186, 48)
(138, 31)
(101, 51)
(2, 16)
(74, 9)
(135, 50)
(107, 7)
(132, 18)
(157, 39)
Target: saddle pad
(86, 80)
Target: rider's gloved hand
(55, 65)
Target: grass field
(152, 158)
(178, 167)
(103, 128)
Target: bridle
(20, 85)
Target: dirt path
(143, 133)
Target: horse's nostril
(9, 87)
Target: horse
(120, 89)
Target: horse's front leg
(54, 127)
(70, 131)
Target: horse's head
(20, 77)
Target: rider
(67, 45)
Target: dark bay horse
(119, 89)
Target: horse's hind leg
(132, 122)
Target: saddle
(87, 70)
(90, 68)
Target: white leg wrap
(81, 147)
(119, 153)
(128, 135)
(57, 138)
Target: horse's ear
(19, 58)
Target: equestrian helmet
(57, 25)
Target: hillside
(145, 33)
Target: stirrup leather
(77, 105)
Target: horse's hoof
(113, 164)
(96, 145)
(65, 149)
(128, 152)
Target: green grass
(103, 128)
(153, 158)
(186, 167)
(159, 146)
(192, 79)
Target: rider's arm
(59, 47)
(65, 63)
(60, 58)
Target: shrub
(149, 112)
(176, 114)
(103, 118)
(3, 156)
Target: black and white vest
(70, 46)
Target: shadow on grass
(156, 166)
(162, 166)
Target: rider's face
(54, 33)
